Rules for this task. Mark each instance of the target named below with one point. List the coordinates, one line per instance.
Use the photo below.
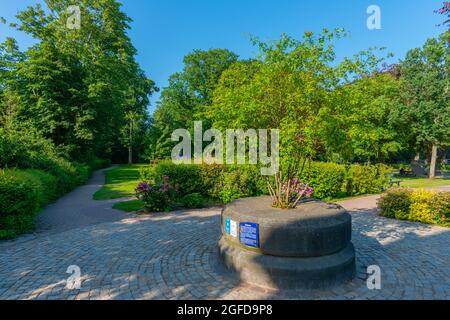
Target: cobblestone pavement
(174, 256)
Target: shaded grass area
(129, 206)
(120, 182)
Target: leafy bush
(82, 173)
(416, 205)
(212, 180)
(184, 179)
(192, 201)
(19, 202)
(440, 205)
(147, 173)
(237, 182)
(395, 203)
(156, 197)
(325, 178)
(27, 150)
(48, 187)
(420, 210)
(366, 179)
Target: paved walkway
(78, 209)
(174, 256)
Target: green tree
(294, 86)
(76, 86)
(188, 95)
(371, 132)
(426, 75)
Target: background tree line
(358, 109)
(82, 89)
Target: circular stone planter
(304, 248)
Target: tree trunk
(130, 146)
(433, 161)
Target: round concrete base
(305, 248)
(289, 273)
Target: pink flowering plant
(156, 197)
(287, 191)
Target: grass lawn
(415, 183)
(129, 206)
(120, 182)
(420, 183)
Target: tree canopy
(75, 86)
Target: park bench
(407, 173)
(393, 182)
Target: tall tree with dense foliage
(295, 86)
(188, 96)
(77, 86)
(372, 130)
(426, 75)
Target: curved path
(174, 256)
(78, 209)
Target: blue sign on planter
(249, 234)
(227, 226)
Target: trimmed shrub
(147, 173)
(240, 182)
(325, 178)
(395, 203)
(184, 178)
(416, 205)
(366, 179)
(440, 205)
(420, 209)
(192, 201)
(19, 202)
(212, 180)
(223, 182)
(48, 187)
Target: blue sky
(164, 31)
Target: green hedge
(325, 178)
(416, 205)
(20, 200)
(24, 192)
(184, 178)
(230, 182)
(226, 183)
(366, 179)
